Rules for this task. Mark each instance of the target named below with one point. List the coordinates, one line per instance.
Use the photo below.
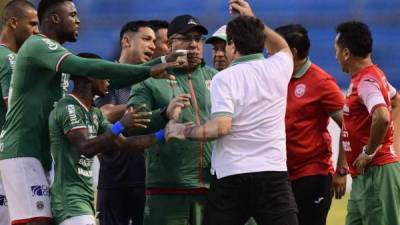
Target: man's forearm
(94, 146)
(121, 74)
(113, 113)
(341, 161)
(207, 132)
(379, 127)
(135, 143)
(273, 41)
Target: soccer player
(78, 132)
(248, 107)
(313, 98)
(218, 41)
(36, 84)
(160, 28)
(120, 196)
(19, 21)
(177, 176)
(367, 131)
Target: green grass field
(337, 213)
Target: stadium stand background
(101, 21)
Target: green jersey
(37, 85)
(7, 63)
(72, 192)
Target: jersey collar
(80, 103)
(247, 58)
(303, 69)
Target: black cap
(185, 23)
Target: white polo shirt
(253, 92)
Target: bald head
(16, 9)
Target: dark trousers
(124, 206)
(265, 196)
(313, 197)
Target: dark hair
(355, 36)
(46, 6)
(133, 26)
(247, 34)
(158, 24)
(297, 37)
(14, 8)
(86, 55)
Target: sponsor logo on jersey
(11, 59)
(40, 190)
(300, 90)
(72, 114)
(3, 201)
(51, 44)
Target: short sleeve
(332, 98)
(370, 93)
(221, 98)
(392, 91)
(71, 118)
(47, 53)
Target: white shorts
(27, 189)
(80, 220)
(4, 214)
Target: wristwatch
(342, 171)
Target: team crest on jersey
(11, 59)
(208, 84)
(300, 90)
(51, 44)
(96, 120)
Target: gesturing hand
(135, 118)
(176, 105)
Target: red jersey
(357, 119)
(312, 98)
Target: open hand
(136, 118)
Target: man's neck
(8, 40)
(84, 94)
(125, 58)
(359, 64)
(52, 34)
(298, 64)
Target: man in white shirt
(248, 121)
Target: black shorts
(121, 206)
(265, 196)
(313, 197)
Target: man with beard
(178, 177)
(36, 84)
(19, 21)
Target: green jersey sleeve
(102, 69)
(6, 69)
(71, 118)
(141, 95)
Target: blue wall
(102, 19)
